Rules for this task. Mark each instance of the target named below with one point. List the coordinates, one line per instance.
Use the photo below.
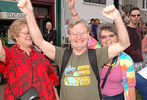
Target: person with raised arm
(28, 71)
(122, 86)
(78, 81)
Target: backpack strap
(65, 59)
(93, 62)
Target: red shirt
(19, 68)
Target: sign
(11, 15)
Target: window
(96, 1)
(144, 4)
(41, 10)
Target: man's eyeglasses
(78, 33)
(134, 15)
(25, 33)
(107, 36)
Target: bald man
(50, 34)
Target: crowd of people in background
(120, 48)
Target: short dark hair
(134, 8)
(92, 19)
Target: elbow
(127, 45)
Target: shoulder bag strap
(108, 71)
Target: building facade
(44, 11)
(141, 4)
(86, 9)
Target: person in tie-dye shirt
(121, 72)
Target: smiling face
(107, 34)
(79, 36)
(24, 38)
(107, 38)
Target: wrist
(71, 7)
(118, 19)
(74, 14)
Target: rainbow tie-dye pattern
(93, 44)
(127, 67)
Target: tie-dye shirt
(127, 67)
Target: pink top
(113, 85)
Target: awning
(9, 10)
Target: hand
(25, 6)
(71, 3)
(111, 12)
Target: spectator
(143, 27)
(78, 67)
(95, 27)
(91, 31)
(136, 36)
(123, 12)
(65, 36)
(50, 34)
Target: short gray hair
(79, 21)
(107, 27)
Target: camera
(30, 94)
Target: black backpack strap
(93, 62)
(65, 59)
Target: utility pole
(58, 22)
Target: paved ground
(2, 88)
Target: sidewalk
(2, 88)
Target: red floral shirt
(19, 69)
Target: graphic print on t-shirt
(77, 75)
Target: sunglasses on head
(134, 15)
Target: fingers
(109, 9)
(21, 3)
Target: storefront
(43, 9)
(8, 13)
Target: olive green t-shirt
(78, 80)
